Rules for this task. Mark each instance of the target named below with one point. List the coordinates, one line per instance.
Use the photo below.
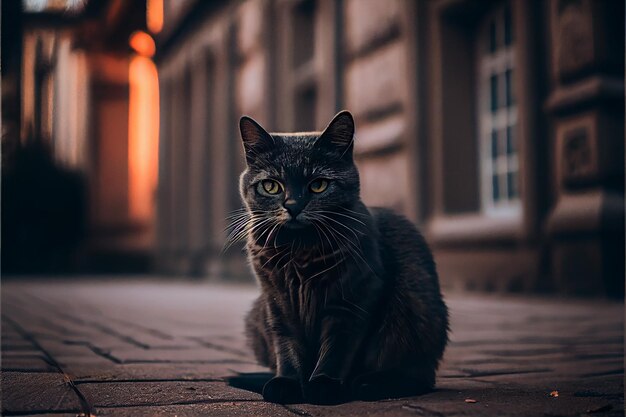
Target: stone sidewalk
(144, 348)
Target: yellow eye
(270, 187)
(319, 186)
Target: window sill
(467, 229)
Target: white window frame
(505, 116)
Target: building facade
(77, 182)
(497, 126)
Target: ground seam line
(85, 405)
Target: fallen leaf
(470, 401)
(554, 394)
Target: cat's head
(292, 179)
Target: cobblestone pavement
(135, 348)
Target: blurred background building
(497, 126)
(79, 136)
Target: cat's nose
(293, 207)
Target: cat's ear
(255, 139)
(339, 134)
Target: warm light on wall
(142, 43)
(154, 15)
(143, 137)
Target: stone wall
(407, 71)
(375, 91)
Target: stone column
(199, 154)
(586, 224)
(163, 220)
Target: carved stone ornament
(578, 154)
(572, 36)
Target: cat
(350, 305)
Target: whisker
(287, 253)
(341, 214)
(272, 257)
(268, 224)
(321, 248)
(344, 236)
(341, 224)
(326, 226)
(240, 221)
(269, 236)
(245, 229)
(343, 296)
(354, 251)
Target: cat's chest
(300, 283)
(303, 297)
(304, 269)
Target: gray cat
(350, 305)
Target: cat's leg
(285, 387)
(348, 310)
(380, 385)
(341, 338)
(259, 338)
(270, 350)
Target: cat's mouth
(295, 224)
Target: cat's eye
(319, 185)
(270, 187)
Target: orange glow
(142, 43)
(143, 138)
(154, 15)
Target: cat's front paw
(282, 390)
(324, 390)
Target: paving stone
(21, 353)
(462, 383)
(503, 369)
(55, 415)
(20, 343)
(57, 348)
(492, 401)
(597, 367)
(37, 392)
(73, 362)
(219, 409)
(384, 409)
(506, 399)
(26, 363)
(127, 336)
(197, 355)
(508, 353)
(115, 394)
(104, 341)
(8, 330)
(236, 345)
(160, 371)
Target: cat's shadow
(255, 381)
(250, 381)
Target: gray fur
(350, 305)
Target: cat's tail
(251, 381)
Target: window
(497, 112)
